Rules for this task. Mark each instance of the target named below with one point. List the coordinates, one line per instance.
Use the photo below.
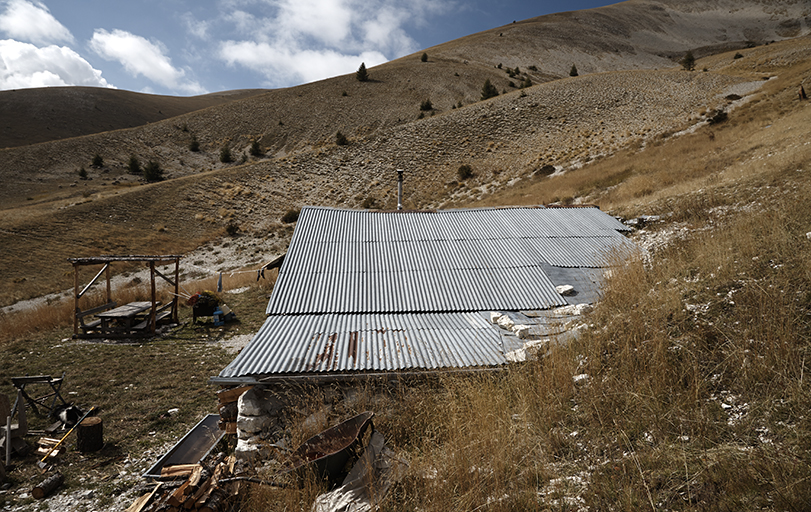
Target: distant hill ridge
(636, 34)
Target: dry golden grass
(693, 396)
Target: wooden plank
(140, 326)
(92, 311)
(94, 260)
(177, 498)
(178, 470)
(226, 396)
(139, 504)
(127, 310)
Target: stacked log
(227, 401)
(194, 487)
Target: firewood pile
(204, 487)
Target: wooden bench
(90, 326)
(140, 326)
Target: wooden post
(75, 299)
(90, 435)
(109, 295)
(154, 298)
(176, 306)
(47, 486)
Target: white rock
(253, 423)
(565, 289)
(505, 322)
(581, 379)
(494, 316)
(808, 235)
(250, 451)
(250, 404)
(574, 309)
(522, 331)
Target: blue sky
(188, 47)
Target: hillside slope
(48, 214)
(31, 116)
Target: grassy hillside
(685, 389)
(31, 116)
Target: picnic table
(123, 316)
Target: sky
(191, 47)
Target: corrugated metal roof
(343, 261)
(365, 291)
(362, 343)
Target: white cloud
(281, 65)
(195, 27)
(140, 56)
(31, 21)
(294, 40)
(23, 65)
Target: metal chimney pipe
(399, 189)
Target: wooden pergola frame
(154, 311)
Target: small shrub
(134, 166)
(459, 105)
(717, 116)
(464, 172)
(424, 57)
(256, 149)
(98, 161)
(82, 173)
(232, 229)
(194, 144)
(526, 83)
(341, 139)
(545, 170)
(184, 128)
(421, 116)
(688, 62)
(488, 90)
(344, 94)
(153, 172)
(290, 216)
(738, 56)
(533, 68)
(370, 203)
(361, 74)
(573, 71)
(225, 155)
(426, 105)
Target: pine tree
(256, 149)
(489, 90)
(153, 172)
(573, 71)
(225, 155)
(134, 166)
(688, 62)
(362, 75)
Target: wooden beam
(75, 299)
(154, 298)
(175, 318)
(106, 266)
(165, 278)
